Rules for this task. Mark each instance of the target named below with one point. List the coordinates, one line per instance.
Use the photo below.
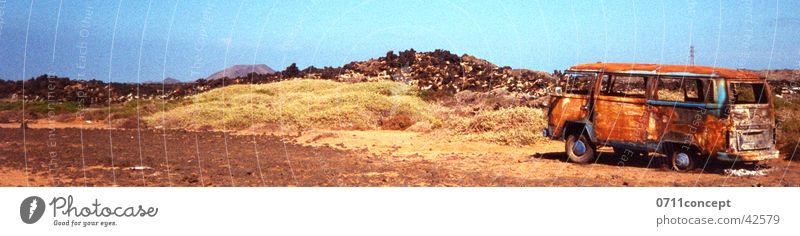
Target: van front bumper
(748, 156)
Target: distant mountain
(241, 71)
(168, 80)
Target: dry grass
(299, 105)
(517, 126)
(788, 116)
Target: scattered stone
(139, 168)
(746, 172)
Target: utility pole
(691, 55)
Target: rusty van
(687, 113)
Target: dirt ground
(151, 157)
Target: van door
(571, 102)
(619, 109)
(680, 110)
(752, 116)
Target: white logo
(34, 206)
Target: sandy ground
(98, 156)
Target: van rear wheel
(579, 149)
(683, 159)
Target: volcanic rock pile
(437, 71)
(62, 89)
(441, 70)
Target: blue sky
(192, 39)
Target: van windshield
(749, 93)
(578, 83)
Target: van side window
(579, 83)
(698, 90)
(748, 93)
(692, 92)
(707, 87)
(670, 89)
(624, 86)
(685, 90)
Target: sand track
(326, 158)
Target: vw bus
(687, 113)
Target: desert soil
(69, 156)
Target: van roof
(670, 70)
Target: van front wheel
(579, 149)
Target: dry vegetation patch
(516, 125)
(788, 119)
(300, 105)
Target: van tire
(579, 149)
(681, 159)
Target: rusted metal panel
(687, 125)
(749, 156)
(565, 108)
(667, 70)
(752, 128)
(752, 115)
(620, 119)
